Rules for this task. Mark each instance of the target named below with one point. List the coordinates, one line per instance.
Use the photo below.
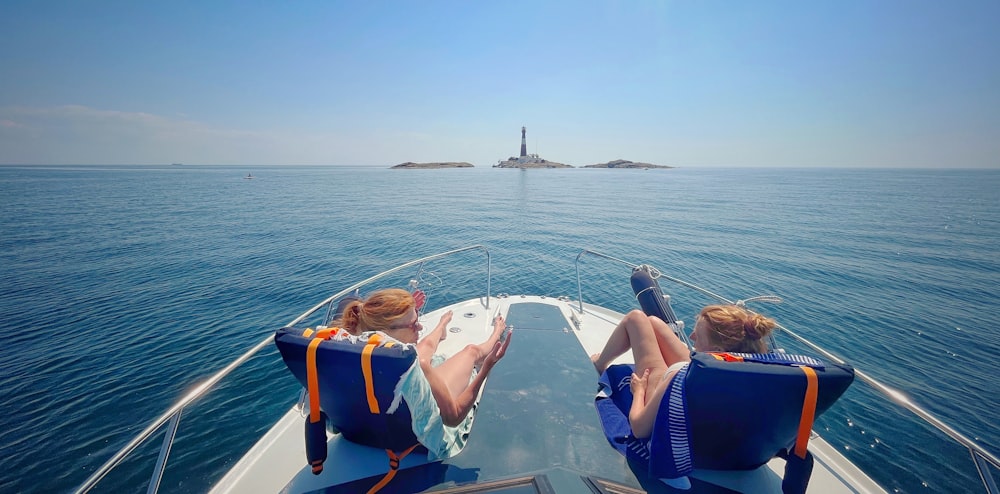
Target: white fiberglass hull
(277, 463)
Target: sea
(124, 286)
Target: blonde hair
(378, 312)
(735, 329)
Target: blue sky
(887, 83)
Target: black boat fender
(650, 296)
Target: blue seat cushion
(342, 390)
(718, 414)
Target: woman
(392, 313)
(659, 353)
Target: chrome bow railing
(172, 416)
(982, 458)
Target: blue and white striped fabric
(781, 358)
(677, 423)
(722, 411)
(614, 399)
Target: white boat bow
(535, 426)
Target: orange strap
(312, 379)
(726, 357)
(808, 412)
(324, 333)
(366, 370)
(312, 376)
(394, 460)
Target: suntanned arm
(642, 415)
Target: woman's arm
(642, 415)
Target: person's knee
(474, 350)
(635, 314)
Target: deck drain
(454, 329)
(469, 315)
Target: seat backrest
(356, 407)
(734, 411)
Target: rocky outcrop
(625, 164)
(441, 164)
(529, 162)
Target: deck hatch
(536, 316)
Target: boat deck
(535, 423)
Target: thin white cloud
(75, 134)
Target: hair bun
(750, 328)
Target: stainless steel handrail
(896, 396)
(579, 285)
(978, 452)
(173, 413)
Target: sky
(845, 83)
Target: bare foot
(600, 368)
(498, 325)
(428, 345)
(484, 348)
(443, 325)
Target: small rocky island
(626, 164)
(529, 161)
(526, 160)
(441, 164)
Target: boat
(249, 176)
(536, 428)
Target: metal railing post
(161, 460)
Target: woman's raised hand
(638, 384)
(498, 351)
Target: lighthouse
(526, 160)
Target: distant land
(529, 161)
(526, 160)
(626, 164)
(440, 164)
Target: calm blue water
(122, 286)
